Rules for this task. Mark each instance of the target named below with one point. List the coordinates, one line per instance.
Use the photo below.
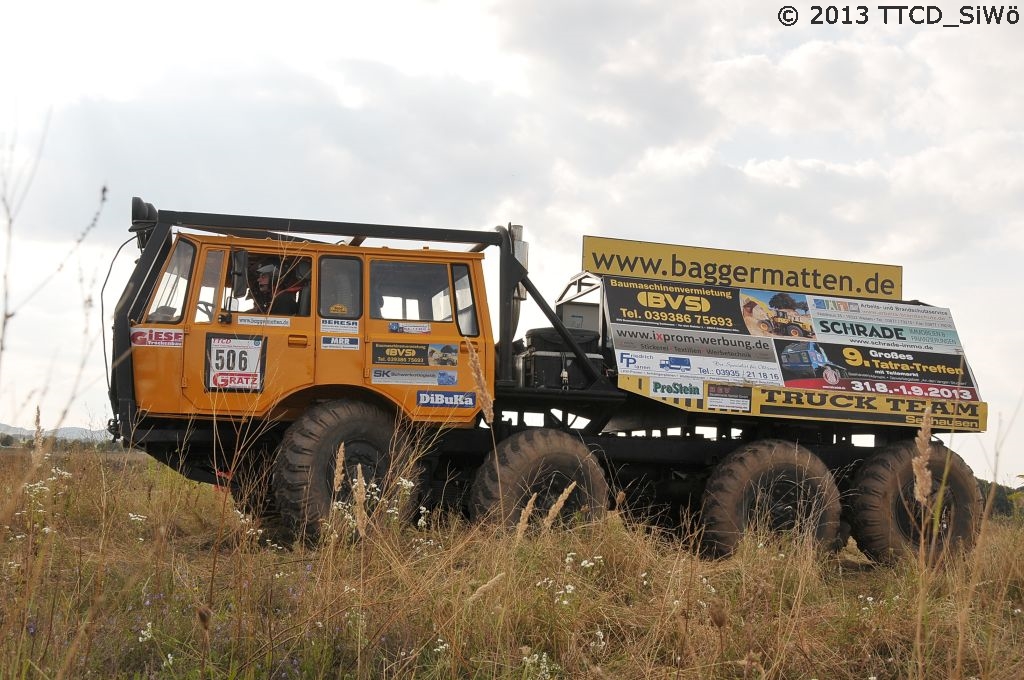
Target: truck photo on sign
(819, 365)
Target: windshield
(169, 301)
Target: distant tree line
(8, 440)
(1006, 501)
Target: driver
(269, 299)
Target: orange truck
(247, 350)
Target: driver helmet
(270, 271)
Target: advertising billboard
(789, 353)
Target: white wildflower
(422, 521)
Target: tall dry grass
(113, 566)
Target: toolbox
(549, 340)
(545, 369)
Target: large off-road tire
(793, 331)
(887, 520)
(541, 461)
(305, 471)
(772, 484)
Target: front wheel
(889, 523)
(774, 484)
(306, 483)
(543, 462)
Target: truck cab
(398, 325)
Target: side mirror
(239, 275)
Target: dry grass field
(113, 566)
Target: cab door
(157, 341)
(340, 310)
(418, 334)
(242, 357)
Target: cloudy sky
(700, 123)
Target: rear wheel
(772, 484)
(888, 522)
(541, 461)
(305, 479)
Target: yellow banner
(741, 269)
(959, 416)
(824, 405)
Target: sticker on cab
(235, 363)
(157, 337)
(332, 342)
(344, 326)
(445, 399)
(412, 328)
(275, 321)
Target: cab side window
(206, 305)
(341, 290)
(464, 305)
(277, 285)
(410, 291)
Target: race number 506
(231, 359)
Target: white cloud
(678, 122)
(854, 89)
(783, 172)
(974, 81)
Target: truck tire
(304, 477)
(541, 461)
(887, 518)
(793, 331)
(775, 481)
